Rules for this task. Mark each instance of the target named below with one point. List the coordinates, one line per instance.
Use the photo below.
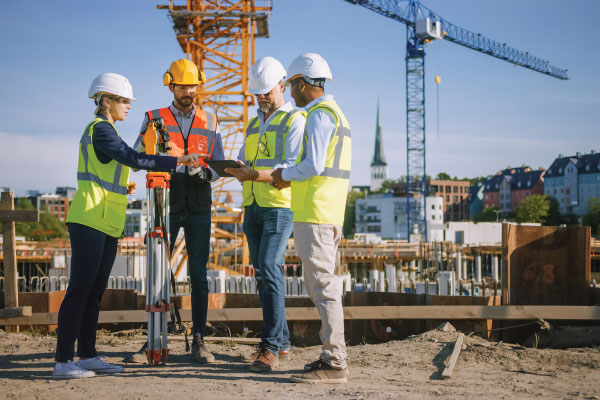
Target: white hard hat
(309, 65)
(266, 73)
(111, 83)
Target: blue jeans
(196, 228)
(268, 230)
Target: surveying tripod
(158, 271)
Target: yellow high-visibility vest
(322, 198)
(265, 153)
(101, 198)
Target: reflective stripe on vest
(280, 131)
(113, 186)
(201, 136)
(334, 171)
(101, 198)
(275, 133)
(321, 199)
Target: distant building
(508, 188)
(455, 195)
(52, 204)
(385, 215)
(135, 219)
(379, 168)
(573, 181)
(66, 191)
(475, 200)
(56, 204)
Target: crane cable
(438, 80)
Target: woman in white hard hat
(96, 220)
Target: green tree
(534, 209)
(443, 176)
(386, 186)
(592, 217)
(488, 215)
(554, 217)
(350, 213)
(49, 227)
(570, 219)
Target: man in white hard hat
(273, 139)
(319, 183)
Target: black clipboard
(219, 165)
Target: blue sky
(492, 114)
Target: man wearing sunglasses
(319, 185)
(273, 140)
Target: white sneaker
(99, 365)
(70, 370)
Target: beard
(266, 107)
(186, 101)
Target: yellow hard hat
(183, 72)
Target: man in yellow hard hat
(191, 130)
(273, 139)
(319, 182)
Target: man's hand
(243, 173)
(278, 181)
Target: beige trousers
(316, 245)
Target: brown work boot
(200, 353)
(265, 362)
(321, 372)
(285, 355)
(249, 358)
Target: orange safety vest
(200, 139)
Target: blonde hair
(100, 107)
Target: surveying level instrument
(156, 140)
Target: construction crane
(218, 36)
(424, 26)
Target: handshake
(278, 181)
(245, 173)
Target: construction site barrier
(293, 285)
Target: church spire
(378, 157)
(379, 168)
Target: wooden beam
(9, 252)
(215, 339)
(454, 357)
(15, 312)
(582, 313)
(19, 216)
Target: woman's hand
(131, 186)
(190, 160)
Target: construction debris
(454, 357)
(564, 337)
(446, 327)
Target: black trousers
(92, 256)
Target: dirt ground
(407, 369)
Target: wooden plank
(19, 216)
(15, 312)
(582, 313)
(216, 339)
(454, 357)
